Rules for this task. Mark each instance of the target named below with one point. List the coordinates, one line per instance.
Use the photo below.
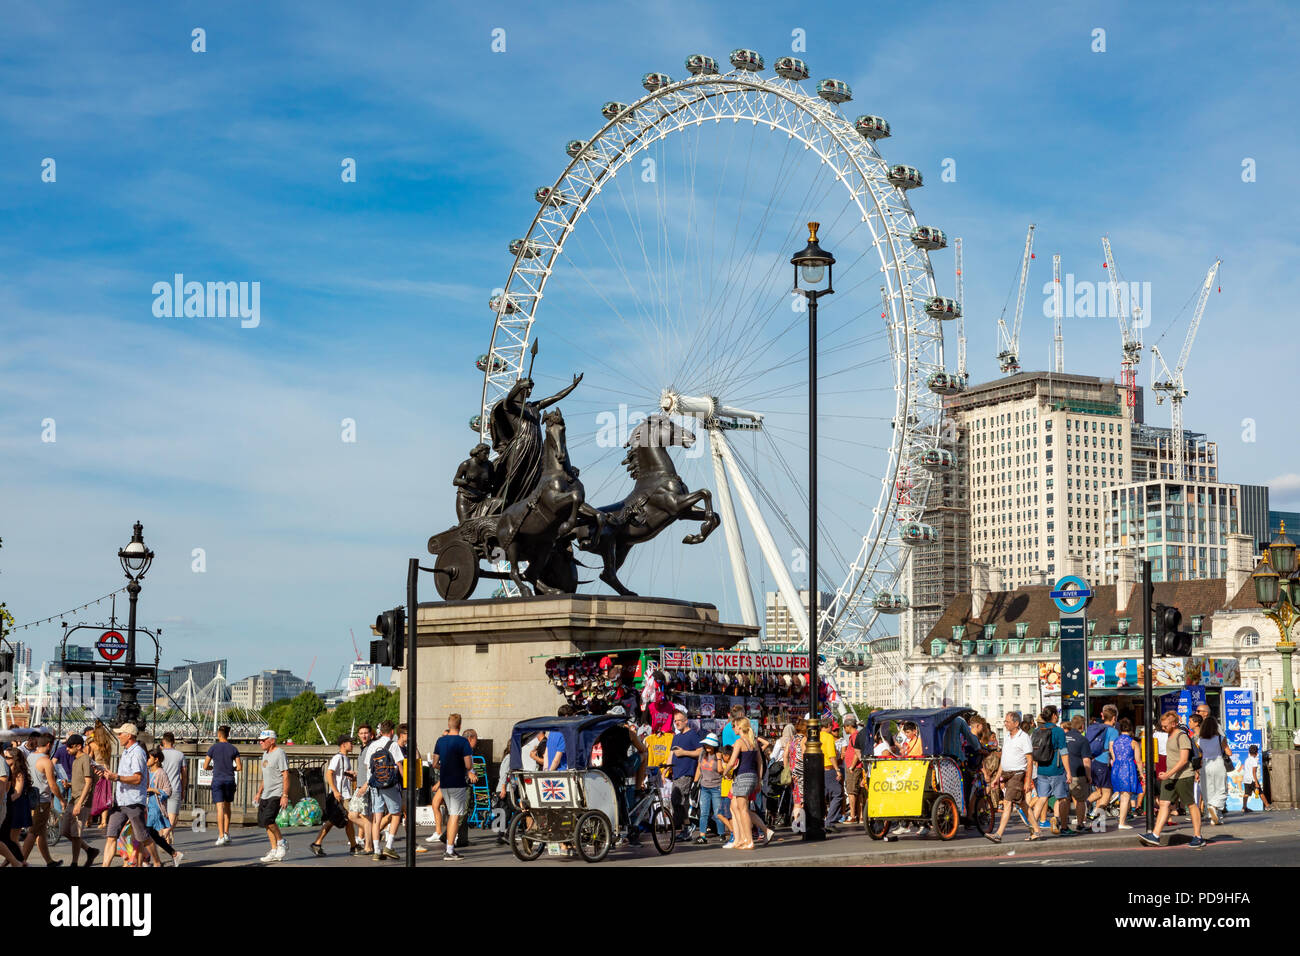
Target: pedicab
(932, 790)
(563, 810)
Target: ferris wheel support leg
(735, 546)
(784, 584)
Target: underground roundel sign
(1071, 594)
(111, 646)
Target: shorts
(268, 808)
(744, 786)
(223, 791)
(1013, 786)
(386, 801)
(173, 807)
(132, 814)
(1080, 787)
(1052, 786)
(1250, 788)
(853, 780)
(456, 799)
(1182, 789)
(73, 824)
(1101, 775)
(335, 813)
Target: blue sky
(225, 165)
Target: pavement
(1253, 839)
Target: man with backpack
(1051, 755)
(453, 758)
(383, 760)
(1101, 734)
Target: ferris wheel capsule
(747, 60)
(834, 91)
(654, 82)
(524, 247)
(792, 68)
(942, 307)
(872, 127)
(575, 147)
(889, 602)
(929, 238)
(503, 304)
(917, 533)
(475, 424)
(935, 459)
(945, 383)
(498, 363)
(699, 64)
(905, 177)
(547, 196)
(615, 110)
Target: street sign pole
(1149, 746)
(408, 688)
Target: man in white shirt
(340, 777)
(1017, 775)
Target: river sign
(111, 646)
(1071, 594)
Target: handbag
(1227, 761)
(102, 799)
(157, 819)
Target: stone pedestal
(1284, 778)
(485, 660)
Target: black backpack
(384, 772)
(1041, 745)
(1097, 739)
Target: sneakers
(1023, 819)
(390, 854)
(924, 831)
(378, 857)
(1150, 839)
(177, 857)
(269, 858)
(280, 851)
(436, 838)
(223, 840)
(1197, 843)
(317, 849)
(1123, 826)
(355, 848)
(91, 854)
(451, 856)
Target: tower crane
(1130, 336)
(961, 320)
(1058, 340)
(1171, 383)
(1009, 357)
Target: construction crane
(961, 320)
(1172, 382)
(1130, 336)
(1057, 339)
(1009, 357)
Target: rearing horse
(658, 498)
(530, 530)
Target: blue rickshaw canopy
(930, 724)
(580, 735)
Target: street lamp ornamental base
(814, 796)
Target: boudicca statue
(527, 507)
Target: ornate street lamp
(135, 558)
(813, 265)
(1277, 591)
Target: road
(1271, 839)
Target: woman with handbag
(16, 774)
(160, 788)
(1216, 762)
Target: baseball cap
(710, 740)
(130, 729)
(267, 734)
(617, 711)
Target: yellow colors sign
(896, 788)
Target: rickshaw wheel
(593, 836)
(982, 815)
(944, 816)
(877, 829)
(527, 850)
(662, 831)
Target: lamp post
(135, 558)
(813, 264)
(1277, 590)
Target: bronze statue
(517, 439)
(473, 482)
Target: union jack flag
(554, 790)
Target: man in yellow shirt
(834, 777)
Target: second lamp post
(813, 265)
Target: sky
(1172, 132)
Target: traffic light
(390, 649)
(1170, 641)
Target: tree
(373, 708)
(862, 710)
(296, 720)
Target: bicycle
(652, 812)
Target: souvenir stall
(652, 684)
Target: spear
(533, 352)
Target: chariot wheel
(456, 572)
(876, 829)
(662, 253)
(593, 836)
(525, 849)
(944, 816)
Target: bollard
(199, 820)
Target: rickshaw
(573, 809)
(935, 789)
